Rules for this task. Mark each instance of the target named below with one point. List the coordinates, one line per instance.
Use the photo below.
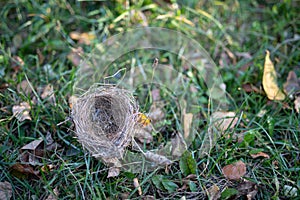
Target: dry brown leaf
(214, 192)
(20, 170)
(155, 93)
(143, 135)
(178, 145)
(33, 145)
(187, 122)
(270, 80)
(21, 112)
(113, 172)
(53, 196)
(24, 86)
(75, 56)
(158, 159)
(248, 87)
(85, 38)
(5, 190)
(136, 184)
(247, 188)
(17, 63)
(291, 86)
(47, 168)
(48, 94)
(234, 171)
(260, 154)
(156, 113)
(224, 120)
(297, 104)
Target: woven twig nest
(104, 119)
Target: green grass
(39, 33)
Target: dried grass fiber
(105, 119)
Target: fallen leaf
(187, 122)
(291, 86)
(47, 168)
(136, 184)
(24, 87)
(22, 170)
(224, 120)
(143, 119)
(54, 195)
(156, 113)
(178, 145)
(261, 113)
(234, 171)
(48, 94)
(21, 112)
(3, 86)
(270, 80)
(33, 145)
(113, 172)
(155, 94)
(5, 190)
(143, 135)
(260, 154)
(75, 56)
(85, 38)
(17, 63)
(214, 192)
(247, 188)
(157, 159)
(297, 104)
(248, 87)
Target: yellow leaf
(270, 80)
(143, 119)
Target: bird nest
(104, 119)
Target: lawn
(46, 48)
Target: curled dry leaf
(21, 170)
(24, 87)
(260, 154)
(5, 190)
(214, 192)
(143, 135)
(297, 104)
(113, 172)
(156, 113)
(248, 87)
(178, 145)
(53, 196)
(21, 112)
(234, 171)
(187, 122)
(158, 159)
(85, 38)
(143, 119)
(33, 145)
(270, 80)
(136, 184)
(155, 93)
(291, 86)
(224, 120)
(75, 56)
(48, 94)
(248, 189)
